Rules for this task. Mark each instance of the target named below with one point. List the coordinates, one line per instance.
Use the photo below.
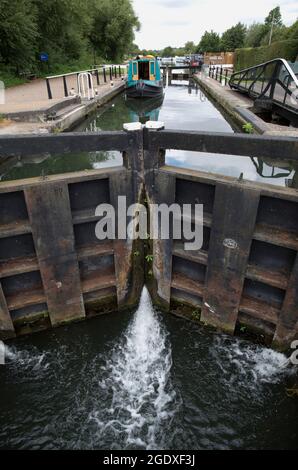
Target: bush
(248, 57)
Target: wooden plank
(51, 222)
(26, 299)
(69, 178)
(200, 257)
(276, 236)
(6, 325)
(271, 277)
(98, 249)
(258, 309)
(287, 326)
(19, 227)
(129, 276)
(164, 193)
(275, 148)
(234, 217)
(185, 284)
(16, 266)
(70, 142)
(97, 283)
(271, 190)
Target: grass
(9, 77)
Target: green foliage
(112, 29)
(74, 33)
(254, 34)
(278, 34)
(260, 34)
(248, 57)
(292, 31)
(196, 315)
(168, 52)
(233, 37)
(189, 48)
(149, 258)
(274, 17)
(210, 42)
(248, 128)
(18, 33)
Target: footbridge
(273, 85)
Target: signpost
(44, 57)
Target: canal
(143, 380)
(184, 106)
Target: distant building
(219, 58)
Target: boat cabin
(144, 68)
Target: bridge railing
(220, 74)
(64, 85)
(274, 81)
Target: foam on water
(252, 365)
(89, 393)
(26, 361)
(137, 377)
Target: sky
(174, 22)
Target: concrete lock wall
(53, 269)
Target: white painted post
(83, 84)
(2, 353)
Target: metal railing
(274, 82)
(220, 74)
(65, 84)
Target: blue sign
(44, 57)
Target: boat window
(152, 68)
(144, 71)
(135, 68)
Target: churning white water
(136, 377)
(84, 389)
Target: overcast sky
(173, 22)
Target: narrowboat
(144, 78)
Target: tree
(112, 29)
(168, 52)
(210, 42)
(275, 30)
(254, 35)
(62, 25)
(274, 17)
(292, 31)
(189, 47)
(18, 33)
(233, 38)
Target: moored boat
(144, 78)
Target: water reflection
(290, 174)
(184, 106)
(46, 165)
(144, 110)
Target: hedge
(248, 57)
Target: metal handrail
(246, 79)
(284, 62)
(113, 71)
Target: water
(144, 380)
(184, 107)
